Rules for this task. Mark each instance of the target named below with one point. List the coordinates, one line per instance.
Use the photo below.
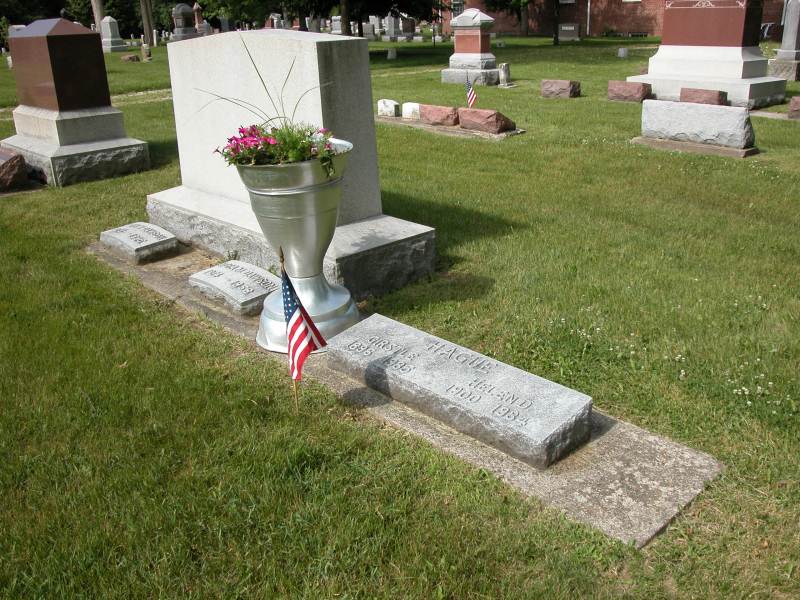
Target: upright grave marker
(785, 64)
(371, 252)
(472, 59)
(67, 129)
(109, 31)
(713, 44)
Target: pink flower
(323, 130)
(271, 141)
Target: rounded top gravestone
(183, 15)
(59, 65)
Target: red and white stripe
(303, 338)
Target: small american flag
(471, 95)
(301, 332)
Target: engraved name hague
(506, 405)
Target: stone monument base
(369, 257)
(114, 45)
(785, 69)
(476, 76)
(741, 72)
(63, 165)
(64, 147)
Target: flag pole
(294, 381)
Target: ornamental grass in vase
(293, 174)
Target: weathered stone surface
(369, 257)
(490, 121)
(438, 115)
(240, 285)
(13, 170)
(695, 148)
(794, 107)
(64, 165)
(391, 54)
(388, 108)
(528, 417)
(701, 123)
(785, 69)
(140, 242)
(628, 91)
(626, 482)
(700, 96)
(560, 88)
(411, 110)
(489, 76)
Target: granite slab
(240, 285)
(531, 418)
(140, 242)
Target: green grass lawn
(146, 452)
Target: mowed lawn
(144, 451)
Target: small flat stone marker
(241, 285)
(528, 417)
(140, 242)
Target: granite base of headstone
(240, 285)
(528, 417)
(785, 69)
(140, 242)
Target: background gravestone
(713, 45)
(109, 30)
(67, 129)
(371, 252)
(785, 64)
(472, 57)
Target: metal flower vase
(297, 206)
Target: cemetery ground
(145, 451)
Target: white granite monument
(371, 252)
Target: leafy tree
(521, 10)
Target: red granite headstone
(712, 22)
(59, 65)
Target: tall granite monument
(109, 32)
(67, 129)
(330, 83)
(785, 64)
(713, 44)
(472, 59)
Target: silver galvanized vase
(297, 206)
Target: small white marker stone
(140, 242)
(241, 285)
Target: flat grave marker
(526, 416)
(241, 285)
(140, 242)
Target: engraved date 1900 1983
(510, 405)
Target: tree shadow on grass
(162, 152)
(455, 225)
